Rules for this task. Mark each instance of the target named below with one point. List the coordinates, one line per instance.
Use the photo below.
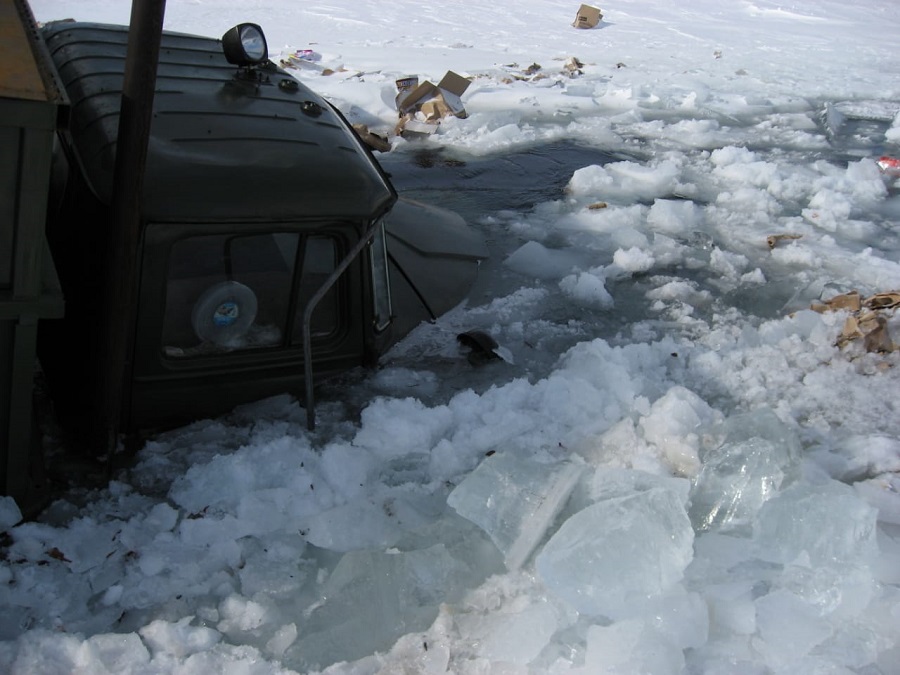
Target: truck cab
(273, 252)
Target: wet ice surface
(679, 246)
(676, 472)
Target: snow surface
(677, 471)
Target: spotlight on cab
(245, 45)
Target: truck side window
(228, 292)
(319, 261)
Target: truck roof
(225, 143)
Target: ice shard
(515, 500)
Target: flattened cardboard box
(409, 127)
(587, 17)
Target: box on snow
(422, 106)
(587, 17)
(442, 99)
(404, 86)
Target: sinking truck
(273, 251)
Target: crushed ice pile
(412, 546)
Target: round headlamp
(245, 45)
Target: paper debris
(574, 66)
(871, 328)
(851, 301)
(773, 239)
(307, 60)
(866, 321)
(373, 140)
(888, 300)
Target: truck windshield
(231, 293)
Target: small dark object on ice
(483, 347)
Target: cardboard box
(409, 128)
(373, 140)
(404, 86)
(587, 17)
(434, 109)
(445, 95)
(421, 107)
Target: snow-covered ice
(690, 476)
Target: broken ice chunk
(512, 635)
(515, 501)
(614, 555)
(373, 597)
(631, 646)
(788, 627)
(761, 423)
(827, 524)
(734, 484)
(755, 456)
